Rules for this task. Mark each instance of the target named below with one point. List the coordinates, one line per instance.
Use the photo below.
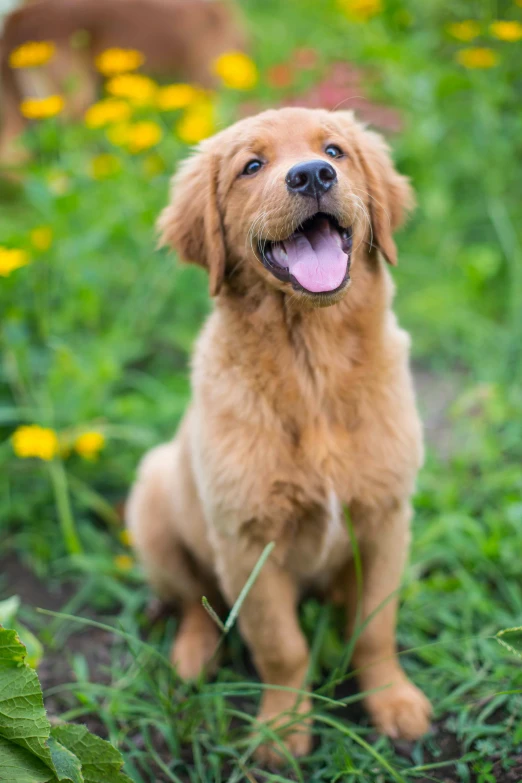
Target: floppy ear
(191, 224)
(390, 193)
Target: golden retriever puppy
(302, 406)
(179, 38)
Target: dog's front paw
(293, 733)
(401, 711)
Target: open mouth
(315, 258)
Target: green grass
(95, 334)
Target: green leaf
(8, 611)
(18, 764)
(23, 720)
(66, 764)
(30, 752)
(101, 762)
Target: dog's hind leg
(152, 516)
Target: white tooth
(338, 239)
(279, 254)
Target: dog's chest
(321, 547)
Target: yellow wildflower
(89, 444)
(32, 54)
(177, 96)
(115, 61)
(479, 57)
(126, 537)
(104, 165)
(124, 562)
(360, 10)
(107, 111)
(464, 31)
(42, 108)
(136, 88)
(197, 123)
(41, 237)
(506, 31)
(35, 441)
(236, 70)
(11, 259)
(143, 136)
(136, 138)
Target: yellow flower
(464, 31)
(197, 123)
(42, 108)
(107, 111)
(143, 136)
(478, 57)
(136, 138)
(126, 537)
(506, 31)
(136, 88)
(32, 54)
(104, 165)
(360, 10)
(41, 237)
(124, 562)
(236, 70)
(114, 61)
(35, 441)
(177, 96)
(89, 444)
(11, 259)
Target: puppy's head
(293, 195)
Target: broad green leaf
(30, 752)
(18, 765)
(23, 720)
(101, 762)
(66, 764)
(8, 619)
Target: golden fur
(299, 409)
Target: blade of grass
(359, 740)
(63, 507)
(232, 617)
(207, 607)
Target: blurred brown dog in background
(178, 38)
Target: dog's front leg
(396, 706)
(269, 624)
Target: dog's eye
(334, 151)
(252, 167)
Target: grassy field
(95, 333)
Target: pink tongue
(315, 258)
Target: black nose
(311, 178)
